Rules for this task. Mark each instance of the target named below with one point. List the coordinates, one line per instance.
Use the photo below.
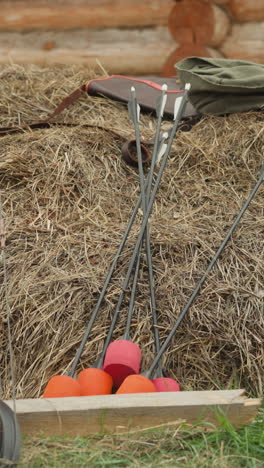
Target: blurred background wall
(129, 36)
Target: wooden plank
(247, 10)
(122, 413)
(130, 51)
(246, 41)
(31, 15)
(217, 2)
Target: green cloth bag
(222, 86)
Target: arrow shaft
(204, 277)
(144, 222)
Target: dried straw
(67, 197)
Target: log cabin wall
(129, 36)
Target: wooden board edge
(82, 416)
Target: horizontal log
(126, 51)
(217, 2)
(247, 10)
(187, 23)
(33, 15)
(246, 42)
(121, 413)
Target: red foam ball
(122, 359)
(165, 384)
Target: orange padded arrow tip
(122, 359)
(61, 386)
(165, 384)
(95, 382)
(137, 384)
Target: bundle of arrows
(117, 369)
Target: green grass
(184, 447)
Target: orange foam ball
(95, 382)
(137, 384)
(61, 386)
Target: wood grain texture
(217, 2)
(121, 413)
(130, 51)
(186, 22)
(246, 42)
(198, 22)
(247, 10)
(34, 15)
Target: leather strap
(115, 87)
(67, 102)
(49, 124)
(129, 153)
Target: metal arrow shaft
(204, 277)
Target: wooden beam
(247, 10)
(130, 51)
(246, 42)
(217, 2)
(34, 15)
(122, 413)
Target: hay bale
(67, 197)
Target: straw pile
(67, 197)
